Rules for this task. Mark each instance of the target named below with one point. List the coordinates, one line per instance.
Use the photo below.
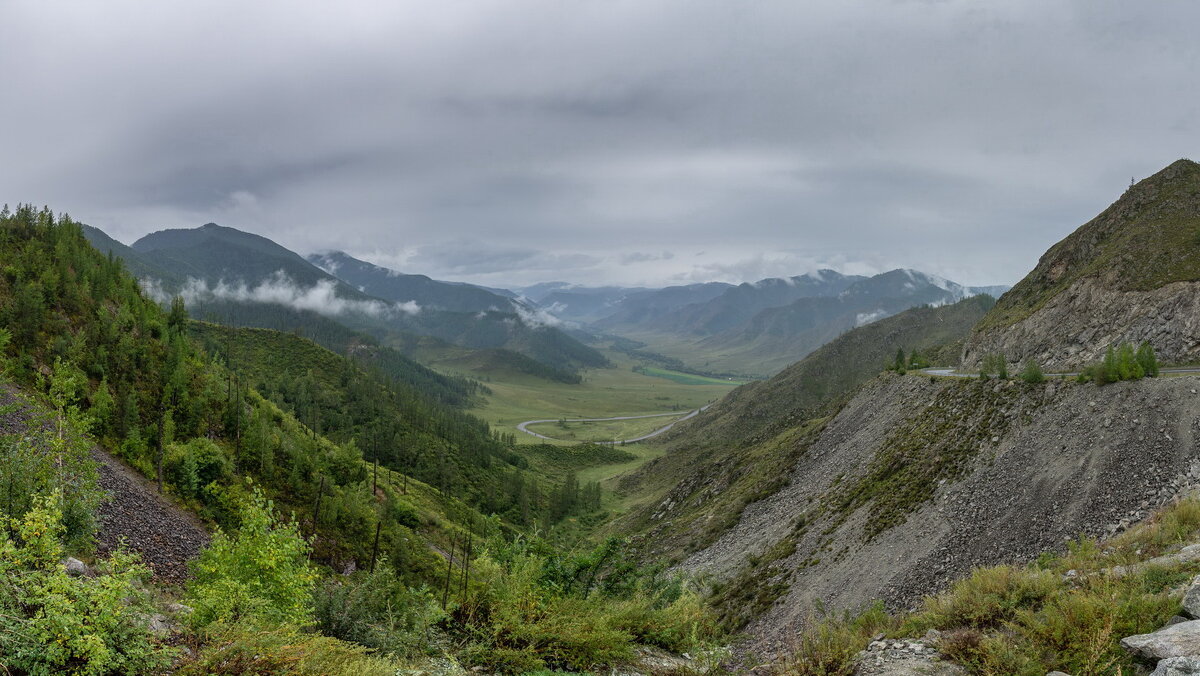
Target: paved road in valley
(524, 426)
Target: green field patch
(604, 393)
(603, 430)
(687, 378)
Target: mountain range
(220, 270)
(753, 329)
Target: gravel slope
(166, 535)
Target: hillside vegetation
(104, 359)
(1148, 238)
(742, 448)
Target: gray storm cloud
(961, 137)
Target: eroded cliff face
(916, 481)
(1076, 326)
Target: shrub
(527, 610)
(988, 598)
(261, 572)
(1147, 360)
(1032, 373)
(51, 621)
(378, 611)
(994, 364)
(829, 646)
(1122, 363)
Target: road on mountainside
(523, 426)
(951, 373)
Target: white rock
(76, 568)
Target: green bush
(987, 599)
(829, 646)
(1032, 373)
(994, 364)
(53, 622)
(526, 610)
(378, 611)
(1122, 362)
(260, 572)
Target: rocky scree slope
(741, 447)
(166, 536)
(918, 480)
(1130, 274)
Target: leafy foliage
(1032, 372)
(260, 572)
(994, 364)
(52, 621)
(1122, 363)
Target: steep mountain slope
(401, 288)
(1130, 274)
(738, 439)
(919, 481)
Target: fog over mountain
(631, 144)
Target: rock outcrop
(1177, 640)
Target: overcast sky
(635, 142)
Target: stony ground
(1087, 459)
(166, 536)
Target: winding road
(524, 426)
(951, 373)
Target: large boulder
(76, 568)
(1178, 666)
(1177, 640)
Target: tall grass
(1064, 612)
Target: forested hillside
(103, 359)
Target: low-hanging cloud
(279, 289)
(536, 317)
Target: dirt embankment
(1056, 460)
